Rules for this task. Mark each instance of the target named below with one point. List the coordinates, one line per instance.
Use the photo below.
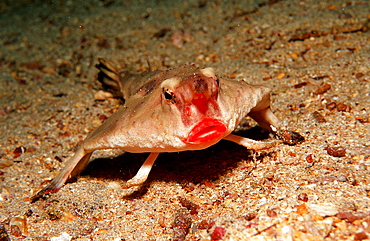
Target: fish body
(167, 111)
(187, 108)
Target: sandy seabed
(315, 55)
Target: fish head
(194, 97)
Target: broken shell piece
(102, 95)
(63, 237)
(323, 209)
(18, 226)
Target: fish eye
(169, 96)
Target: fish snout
(206, 130)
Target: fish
(182, 109)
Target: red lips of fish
(206, 130)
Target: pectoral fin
(74, 166)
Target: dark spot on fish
(199, 82)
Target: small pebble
(331, 106)
(303, 197)
(336, 151)
(360, 236)
(343, 107)
(342, 178)
(309, 158)
(351, 216)
(318, 117)
(181, 226)
(192, 207)
(218, 233)
(323, 89)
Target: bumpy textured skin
(187, 108)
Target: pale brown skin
(187, 108)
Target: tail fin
(109, 76)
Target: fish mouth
(206, 130)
